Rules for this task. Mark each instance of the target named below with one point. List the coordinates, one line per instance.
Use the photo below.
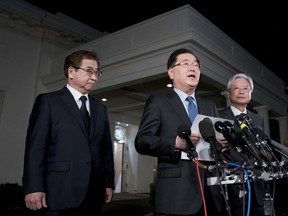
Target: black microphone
(233, 133)
(258, 133)
(267, 144)
(241, 144)
(206, 129)
(184, 132)
(240, 121)
(248, 136)
(208, 134)
(261, 137)
(239, 151)
(245, 122)
(221, 128)
(249, 122)
(282, 148)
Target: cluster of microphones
(247, 146)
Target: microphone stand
(218, 164)
(192, 153)
(281, 152)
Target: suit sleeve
(35, 151)
(156, 120)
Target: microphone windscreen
(183, 130)
(239, 119)
(219, 126)
(228, 124)
(206, 128)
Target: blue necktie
(192, 109)
(84, 113)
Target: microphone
(206, 129)
(241, 142)
(258, 133)
(208, 134)
(239, 120)
(265, 142)
(262, 138)
(248, 121)
(282, 148)
(249, 137)
(228, 153)
(233, 133)
(238, 145)
(221, 128)
(184, 132)
(269, 144)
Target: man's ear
(70, 72)
(170, 73)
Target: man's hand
(109, 195)
(35, 201)
(224, 143)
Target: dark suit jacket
(177, 186)
(59, 154)
(258, 187)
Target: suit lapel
(201, 106)
(72, 107)
(229, 114)
(177, 105)
(93, 117)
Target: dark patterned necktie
(192, 109)
(84, 113)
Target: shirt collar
(236, 111)
(183, 95)
(76, 94)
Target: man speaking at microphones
(239, 90)
(178, 189)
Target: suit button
(88, 163)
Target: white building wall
(27, 51)
(32, 62)
(19, 63)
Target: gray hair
(243, 76)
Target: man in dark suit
(68, 167)
(239, 90)
(178, 189)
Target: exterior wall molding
(24, 17)
(139, 51)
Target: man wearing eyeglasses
(239, 90)
(68, 164)
(178, 184)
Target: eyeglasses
(187, 64)
(91, 71)
(239, 89)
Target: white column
(283, 128)
(263, 111)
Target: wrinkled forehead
(186, 57)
